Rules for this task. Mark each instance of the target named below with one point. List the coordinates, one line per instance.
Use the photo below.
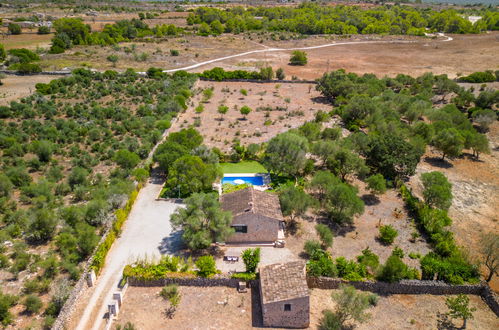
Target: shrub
(206, 266)
(33, 304)
(244, 276)
(298, 58)
(14, 28)
(174, 52)
(311, 246)
(373, 299)
(325, 235)
(387, 234)
(251, 258)
(169, 291)
(280, 74)
(43, 30)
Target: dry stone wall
(412, 287)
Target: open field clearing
(16, 87)
(199, 308)
(350, 241)
(275, 109)
(396, 312)
(388, 55)
(142, 55)
(224, 308)
(29, 41)
(414, 58)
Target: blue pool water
(253, 180)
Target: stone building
(284, 295)
(257, 216)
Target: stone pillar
(113, 309)
(118, 298)
(90, 277)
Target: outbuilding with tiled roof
(285, 297)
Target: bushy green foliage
(219, 74)
(33, 304)
(294, 201)
(395, 270)
(479, 77)
(387, 234)
(6, 302)
(73, 31)
(166, 266)
(312, 18)
(325, 235)
(298, 58)
(447, 263)
(203, 221)
(437, 190)
(206, 266)
(251, 258)
(14, 28)
(244, 276)
(350, 305)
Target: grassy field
(243, 167)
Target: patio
(268, 255)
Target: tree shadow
(342, 229)
(320, 99)
(444, 323)
(370, 199)
(171, 244)
(438, 162)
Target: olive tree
(437, 190)
(286, 154)
(203, 221)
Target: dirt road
(147, 233)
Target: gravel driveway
(147, 233)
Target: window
(287, 307)
(240, 228)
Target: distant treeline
(309, 18)
(73, 31)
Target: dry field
(193, 49)
(350, 241)
(397, 312)
(224, 308)
(409, 55)
(200, 308)
(29, 41)
(464, 54)
(16, 87)
(282, 106)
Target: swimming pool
(253, 180)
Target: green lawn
(243, 167)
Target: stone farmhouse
(284, 294)
(257, 217)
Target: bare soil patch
(281, 106)
(199, 308)
(465, 54)
(349, 241)
(16, 87)
(397, 312)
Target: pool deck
(265, 186)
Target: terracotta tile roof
(254, 201)
(284, 281)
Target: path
(197, 65)
(146, 233)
